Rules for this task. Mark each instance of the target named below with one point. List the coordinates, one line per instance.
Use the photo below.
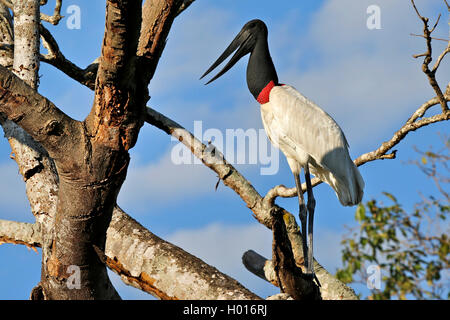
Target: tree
(73, 170)
(411, 249)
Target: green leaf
(360, 214)
(390, 196)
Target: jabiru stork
(307, 135)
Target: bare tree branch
(384, 151)
(119, 101)
(57, 59)
(26, 41)
(35, 165)
(184, 6)
(290, 278)
(56, 17)
(261, 208)
(148, 48)
(157, 19)
(332, 288)
(399, 136)
(146, 262)
(120, 42)
(149, 263)
(20, 233)
(37, 115)
(431, 74)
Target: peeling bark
(149, 263)
(26, 41)
(260, 207)
(290, 278)
(74, 170)
(36, 167)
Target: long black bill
(244, 41)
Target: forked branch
(53, 19)
(56, 17)
(431, 73)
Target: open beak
(243, 42)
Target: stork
(307, 135)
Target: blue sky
(366, 79)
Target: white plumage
(307, 134)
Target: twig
(184, 6)
(431, 74)
(57, 59)
(56, 17)
(422, 36)
(53, 19)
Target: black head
(245, 41)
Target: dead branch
(154, 265)
(422, 36)
(264, 268)
(34, 113)
(53, 19)
(149, 263)
(252, 199)
(151, 43)
(184, 6)
(157, 19)
(431, 74)
(20, 233)
(384, 151)
(56, 17)
(57, 59)
(260, 207)
(290, 278)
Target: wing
(302, 125)
(307, 134)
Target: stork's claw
(312, 277)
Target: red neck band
(263, 96)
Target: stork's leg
(302, 215)
(311, 207)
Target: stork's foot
(311, 277)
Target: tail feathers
(345, 179)
(350, 189)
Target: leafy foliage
(410, 248)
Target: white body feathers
(307, 134)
